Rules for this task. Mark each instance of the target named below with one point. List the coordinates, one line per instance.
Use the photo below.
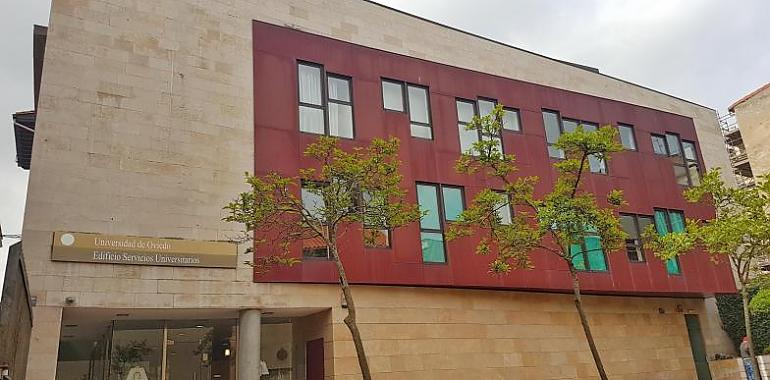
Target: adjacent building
(750, 133)
(149, 113)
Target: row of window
(443, 204)
(326, 107)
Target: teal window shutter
(576, 251)
(662, 219)
(432, 247)
(672, 266)
(596, 259)
(660, 222)
(677, 221)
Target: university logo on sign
(116, 249)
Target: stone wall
(416, 333)
(753, 116)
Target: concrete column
(249, 336)
(44, 343)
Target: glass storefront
(151, 350)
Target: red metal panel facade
(647, 179)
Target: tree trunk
(350, 320)
(586, 327)
(747, 321)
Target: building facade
(752, 116)
(149, 112)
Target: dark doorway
(697, 346)
(314, 351)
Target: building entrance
(189, 344)
(153, 350)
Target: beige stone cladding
(145, 127)
(430, 333)
(753, 116)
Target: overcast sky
(711, 52)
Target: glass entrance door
(173, 350)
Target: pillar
(249, 334)
(44, 343)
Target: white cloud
(711, 52)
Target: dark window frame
(324, 106)
(443, 203)
(304, 256)
(665, 144)
(405, 100)
(680, 159)
(584, 252)
(637, 243)
(633, 136)
(404, 95)
(509, 205)
(580, 122)
(388, 231)
(669, 229)
(518, 120)
(442, 220)
(479, 135)
(688, 161)
(545, 130)
(429, 124)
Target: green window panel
(589, 255)
(578, 260)
(661, 225)
(672, 266)
(596, 259)
(667, 221)
(453, 202)
(427, 197)
(677, 221)
(432, 247)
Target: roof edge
(572, 64)
(750, 95)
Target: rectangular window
(511, 120)
(313, 203)
(340, 107)
(683, 156)
(659, 145)
(442, 202)
(311, 108)
(504, 210)
(691, 161)
(417, 104)
(454, 202)
(466, 110)
(555, 126)
(627, 137)
(596, 164)
(419, 112)
(634, 226)
(393, 95)
(672, 143)
(465, 113)
(431, 232)
(588, 255)
(376, 233)
(553, 129)
(668, 221)
(331, 114)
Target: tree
(558, 222)
(739, 232)
(347, 189)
